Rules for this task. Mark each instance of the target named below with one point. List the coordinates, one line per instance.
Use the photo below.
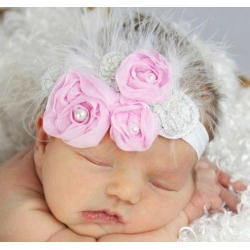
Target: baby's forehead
(164, 155)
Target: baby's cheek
(177, 204)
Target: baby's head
(130, 106)
(144, 78)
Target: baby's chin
(95, 230)
(98, 230)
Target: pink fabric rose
(78, 109)
(144, 76)
(134, 127)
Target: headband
(133, 96)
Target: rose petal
(131, 77)
(129, 113)
(75, 90)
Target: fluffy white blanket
(21, 30)
(231, 152)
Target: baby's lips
(102, 216)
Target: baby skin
(55, 192)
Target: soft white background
(227, 24)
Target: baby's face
(104, 190)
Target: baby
(126, 110)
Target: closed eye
(161, 186)
(94, 161)
(97, 162)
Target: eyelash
(159, 186)
(94, 161)
(98, 163)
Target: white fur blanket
(231, 152)
(31, 28)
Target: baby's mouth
(102, 216)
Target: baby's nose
(127, 185)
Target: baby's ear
(42, 140)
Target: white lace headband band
(179, 118)
(133, 97)
(198, 139)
